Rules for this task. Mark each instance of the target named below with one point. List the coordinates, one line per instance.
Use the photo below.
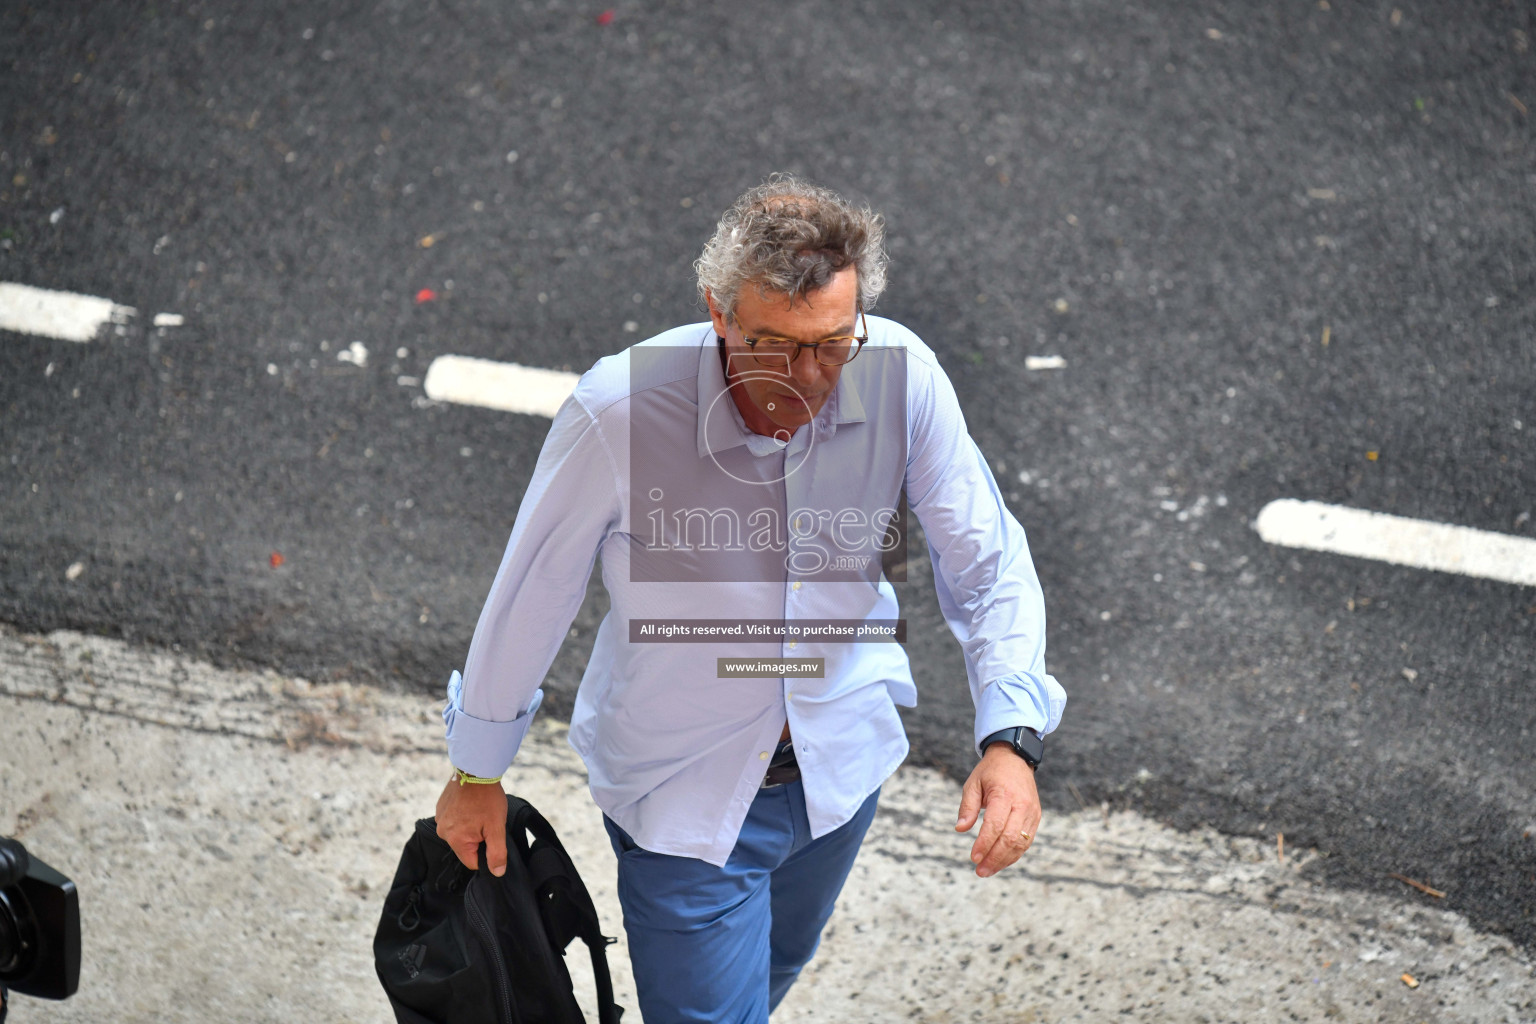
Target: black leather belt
(782, 767)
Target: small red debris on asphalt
(276, 559)
(425, 295)
(605, 18)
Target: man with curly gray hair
(745, 483)
(791, 237)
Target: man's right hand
(471, 814)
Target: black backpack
(456, 946)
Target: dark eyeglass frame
(859, 341)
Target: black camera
(39, 927)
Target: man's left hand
(1004, 785)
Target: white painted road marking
(1411, 542)
(492, 385)
(63, 315)
(1044, 363)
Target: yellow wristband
(473, 780)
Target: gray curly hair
(790, 236)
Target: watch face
(1024, 742)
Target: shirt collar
(721, 427)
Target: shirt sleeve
(570, 506)
(985, 578)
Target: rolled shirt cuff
(481, 748)
(1020, 699)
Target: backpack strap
(563, 898)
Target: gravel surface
(232, 834)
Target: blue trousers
(723, 944)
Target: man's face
(776, 400)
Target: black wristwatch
(1024, 741)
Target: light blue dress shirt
(641, 465)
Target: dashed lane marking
(492, 385)
(64, 315)
(1386, 538)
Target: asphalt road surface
(1284, 251)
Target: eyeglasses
(778, 353)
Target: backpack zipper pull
(412, 910)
